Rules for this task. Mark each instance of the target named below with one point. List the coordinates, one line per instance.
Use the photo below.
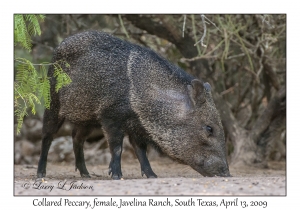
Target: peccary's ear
(207, 87)
(196, 91)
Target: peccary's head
(178, 112)
(205, 148)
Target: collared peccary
(129, 89)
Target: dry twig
(183, 27)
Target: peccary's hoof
(116, 177)
(149, 175)
(85, 176)
(40, 179)
(41, 174)
(152, 177)
(115, 174)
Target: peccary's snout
(212, 167)
(225, 173)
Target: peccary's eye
(209, 129)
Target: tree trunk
(247, 145)
(170, 31)
(244, 146)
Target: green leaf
(32, 86)
(25, 27)
(62, 79)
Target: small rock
(28, 159)
(61, 149)
(27, 148)
(32, 129)
(17, 153)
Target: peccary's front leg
(140, 149)
(114, 136)
(79, 135)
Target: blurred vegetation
(243, 57)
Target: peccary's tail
(51, 123)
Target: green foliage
(25, 27)
(44, 87)
(32, 85)
(61, 77)
(26, 84)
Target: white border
(154, 6)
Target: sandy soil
(174, 179)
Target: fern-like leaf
(33, 24)
(20, 113)
(25, 27)
(32, 86)
(21, 34)
(44, 89)
(32, 100)
(62, 79)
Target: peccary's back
(99, 85)
(115, 77)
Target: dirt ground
(174, 179)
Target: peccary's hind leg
(79, 135)
(114, 136)
(140, 149)
(51, 124)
